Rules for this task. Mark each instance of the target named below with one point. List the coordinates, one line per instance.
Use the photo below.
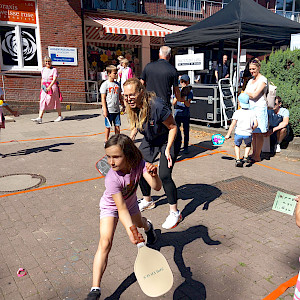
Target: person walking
(245, 122)
(152, 117)
(119, 201)
(160, 76)
(50, 96)
(256, 89)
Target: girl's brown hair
(132, 154)
(138, 117)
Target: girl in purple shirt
(119, 200)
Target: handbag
(270, 94)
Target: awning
(119, 26)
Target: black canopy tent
(242, 23)
(255, 26)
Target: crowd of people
(148, 102)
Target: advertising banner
(20, 11)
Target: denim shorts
(112, 118)
(238, 139)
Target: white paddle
(151, 269)
(103, 166)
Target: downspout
(83, 44)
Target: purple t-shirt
(127, 184)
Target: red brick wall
(60, 25)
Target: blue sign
(63, 56)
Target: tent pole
(237, 70)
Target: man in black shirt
(160, 76)
(222, 70)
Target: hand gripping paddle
(218, 139)
(103, 166)
(151, 269)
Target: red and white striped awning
(130, 27)
(171, 28)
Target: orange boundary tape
(282, 288)
(56, 137)
(50, 186)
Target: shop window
(184, 5)
(18, 48)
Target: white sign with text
(187, 62)
(63, 56)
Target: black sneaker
(238, 163)
(247, 160)
(94, 295)
(151, 235)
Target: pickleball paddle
(103, 166)
(151, 269)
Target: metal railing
(193, 10)
(295, 16)
(28, 87)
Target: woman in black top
(152, 117)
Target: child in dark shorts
(245, 121)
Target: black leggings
(150, 153)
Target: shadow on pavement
(190, 288)
(37, 150)
(197, 149)
(81, 117)
(198, 194)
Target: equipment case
(205, 106)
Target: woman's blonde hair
(47, 58)
(138, 117)
(125, 61)
(255, 62)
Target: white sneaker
(60, 118)
(172, 220)
(37, 120)
(144, 204)
(278, 149)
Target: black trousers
(150, 153)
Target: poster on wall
(9, 46)
(22, 11)
(63, 56)
(295, 41)
(187, 62)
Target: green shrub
(283, 69)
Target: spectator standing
(182, 109)
(160, 76)
(278, 123)
(152, 117)
(124, 73)
(50, 96)
(110, 98)
(256, 89)
(245, 121)
(223, 70)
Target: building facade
(84, 36)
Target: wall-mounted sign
(188, 62)
(295, 41)
(21, 11)
(63, 56)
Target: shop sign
(295, 41)
(20, 11)
(187, 62)
(63, 56)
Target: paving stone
(58, 228)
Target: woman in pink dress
(50, 95)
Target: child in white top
(245, 121)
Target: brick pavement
(220, 250)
